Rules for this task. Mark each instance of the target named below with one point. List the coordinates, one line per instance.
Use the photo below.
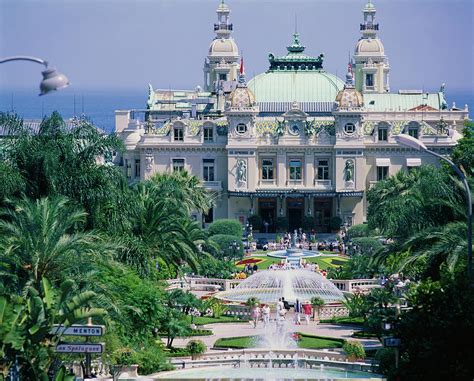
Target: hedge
(227, 227)
(224, 241)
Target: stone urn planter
(127, 372)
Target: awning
(385, 162)
(413, 162)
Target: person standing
(255, 315)
(266, 315)
(297, 312)
(307, 310)
(281, 310)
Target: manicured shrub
(282, 223)
(308, 223)
(256, 221)
(361, 230)
(335, 223)
(225, 241)
(366, 245)
(196, 348)
(225, 226)
(354, 350)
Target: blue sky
(107, 44)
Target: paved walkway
(222, 330)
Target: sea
(100, 105)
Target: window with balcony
(369, 80)
(382, 134)
(208, 134)
(178, 134)
(382, 173)
(178, 165)
(208, 170)
(137, 168)
(267, 169)
(296, 170)
(323, 169)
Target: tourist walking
(307, 310)
(255, 315)
(281, 311)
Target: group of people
(301, 310)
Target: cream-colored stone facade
(260, 154)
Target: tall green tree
(45, 238)
(57, 160)
(26, 324)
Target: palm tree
(43, 238)
(183, 190)
(27, 324)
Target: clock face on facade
(294, 129)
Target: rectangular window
(208, 169)
(178, 134)
(413, 131)
(267, 169)
(369, 80)
(323, 169)
(382, 173)
(178, 165)
(296, 170)
(137, 168)
(222, 77)
(208, 217)
(208, 134)
(128, 167)
(383, 134)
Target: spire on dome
(369, 28)
(223, 27)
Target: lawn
(323, 262)
(201, 320)
(306, 341)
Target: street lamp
(52, 79)
(414, 143)
(234, 247)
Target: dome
(349, 97)
(269, 285)
(223, 47)
(369, 46)
(132, 139)
(295, 86)
(242, 97)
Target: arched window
(413, 129)
(382, 131)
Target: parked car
(262, 244)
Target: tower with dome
(296, 145)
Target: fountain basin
(249, 373)
(270, 285)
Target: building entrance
(295, 208)
(322, 214)
(267, 209)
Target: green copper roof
(403, 102)
(295, 59)
(295, 86)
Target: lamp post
(234, 246)
(52, 79)
(410, 141)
